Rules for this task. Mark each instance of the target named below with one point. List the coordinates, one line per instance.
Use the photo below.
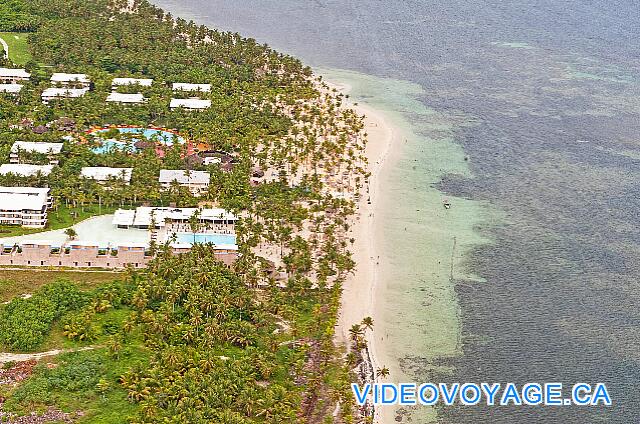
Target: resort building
(19, 148)
(190, 104)
(82, 254)
(10, 88)
(132, 99)
(220, 220)
(123, 240)
(13, 76)
(183, 86)
(76, 254)
(196, 181)
(175, 227)
(25, 170)
(56, 93)
(103, 174)
(25, 206)
(142, 82)
(60, 79)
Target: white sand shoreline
(364, 290)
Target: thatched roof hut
(40, 129)
(229, 159)
(193, 160)
(66, 124)
(227, 167)
(144, 144)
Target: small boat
(446, 204)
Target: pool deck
(97, 229)
(99, 244)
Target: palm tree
(367, 323)
(71, 233)
(194, 223)
(356, 332)
(351, 359)
(382, 372)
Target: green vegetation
(19, 282)
(15, 15)
(24, 323)
(18, 47)
(198, 350)
(59, 314)
(189, 339)
(84, 381)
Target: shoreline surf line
(360, 297)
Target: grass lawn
(62, 217)
(16, 283)
(18, 48)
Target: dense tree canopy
(15, 16)
(214, 348)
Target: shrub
(78, 372)
(80, 327)
(24, 323)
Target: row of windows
(75, 264)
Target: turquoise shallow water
(217, 239)
(543, 99)
(425, 244)
(164, 137)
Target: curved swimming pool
(164, 137)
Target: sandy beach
(364, 289)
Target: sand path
(21, 357)
(6, 48)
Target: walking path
(20, 357)
(6, 48)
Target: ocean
(525, 117)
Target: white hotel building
(56, 93)
(143, 216)
(190, 104)
(25, 206)
(195, 181)
(60, 79)
(13, 76)
(10, 88)
(25, 170)
(103, 173)
(52, 150)
(125, 98)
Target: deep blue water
(545, 98)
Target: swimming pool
(164, 137)
(109, 145)
(217, 239)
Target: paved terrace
(98, 229)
